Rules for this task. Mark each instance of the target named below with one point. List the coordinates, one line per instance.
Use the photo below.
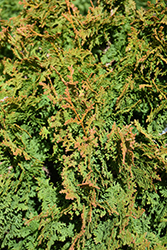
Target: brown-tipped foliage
(83, 138)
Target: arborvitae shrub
(83, 106)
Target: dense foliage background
(13, 8)
(9, 8)
(83, 109)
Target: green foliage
(9, 8)
(83, 106)
(143, 3)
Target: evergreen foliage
(83, 106)
(9, 8)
